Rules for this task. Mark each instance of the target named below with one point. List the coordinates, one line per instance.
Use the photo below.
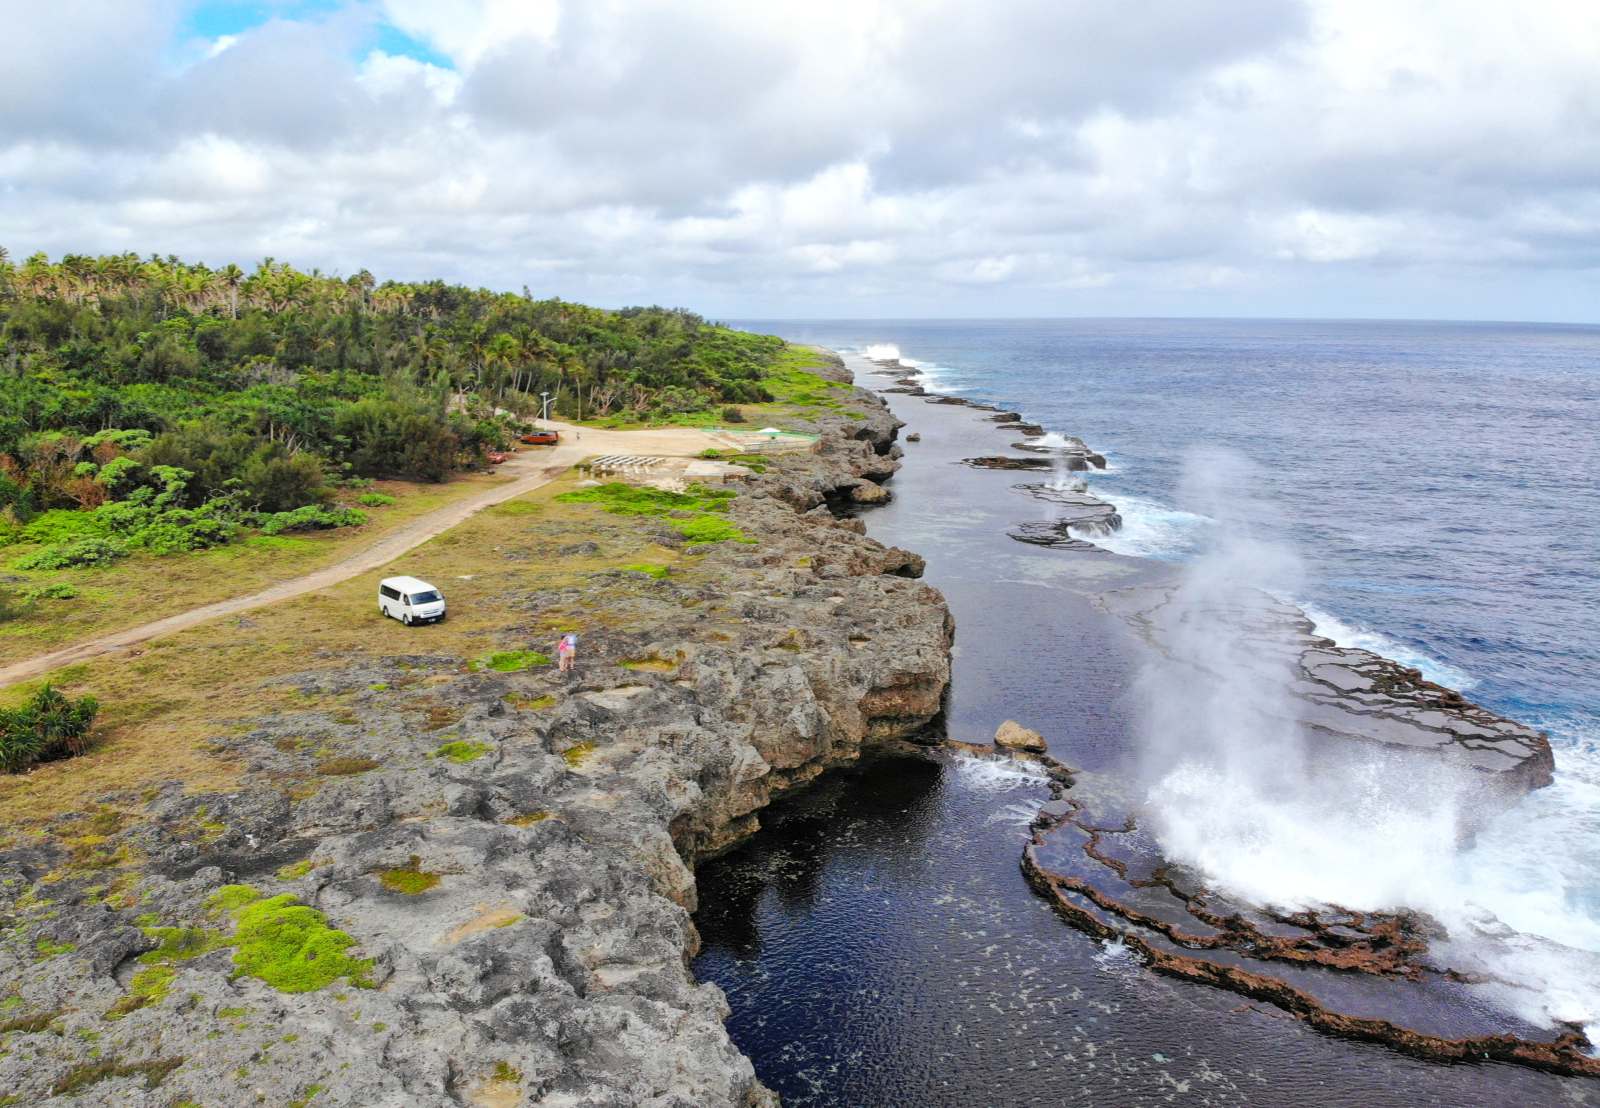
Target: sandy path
(530, 469)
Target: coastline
(1355, 704)
(511, 854)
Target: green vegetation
(639, 500)
(287, 944)
(462, 751)
(528, 819)
(296, 870)
(48, 725)
(410, 879)
(656, 571)
(374, 500)
(510, 661)
(695, 514)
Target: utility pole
(544, 412)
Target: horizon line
(1148, 318)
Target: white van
(409, 600)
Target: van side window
(405, 600)
(392, 594)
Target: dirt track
(530, 469)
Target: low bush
(732, 414)
(311, 517)
(81, 552)
(375, 499)
(47, 726)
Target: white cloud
(808, 156)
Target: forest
(154, 404)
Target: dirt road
(530, 469)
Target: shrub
(732, 414)
(375, 499)
(278, 482)
(60, 525)
(58, 591)
(311, 517)
(83, 552)
(49, 725)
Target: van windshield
(427, 597)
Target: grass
(174, 583)
(650, 568)
(510, 661)
(528, 819)
(176, 710)
(346, 766)
(704, 523)
(80, 1078)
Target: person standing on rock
(567, 651)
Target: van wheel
(406, 619)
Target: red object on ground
(541, 438)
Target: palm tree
(231, 277)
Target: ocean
(1437, 482)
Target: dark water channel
(876, 940)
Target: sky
(834, 158)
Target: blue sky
(209, 22)
(814, 158)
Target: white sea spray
(1234, 792)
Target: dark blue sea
(1440, 484)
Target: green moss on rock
(287, 944)
(462, 751)
(510, 661)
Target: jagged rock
(1081, 513)
(1000, 461)
(1056, 534)
(914, 437)
(1011, 735)
(1006, 417)
(1029, 429)
(869, 492)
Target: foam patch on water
(995, 775)
(1152, 530)
(1360, 638)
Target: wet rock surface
(509, 854)
(1003, 461)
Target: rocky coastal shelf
(503, 860)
